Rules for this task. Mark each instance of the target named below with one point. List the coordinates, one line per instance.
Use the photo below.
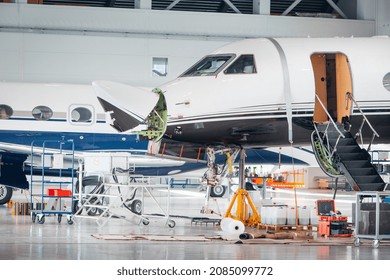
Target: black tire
(93, 211)
(5, 194)
(171, 223)
(59, 218)
(41, 220)
(75, 207)
(92, 180)
(217, 191)
(145, 222)
(33, 217)
(136, 207)
(249, 186)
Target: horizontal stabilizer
(127, 106)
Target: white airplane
(37, 114)
(331, 92)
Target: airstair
(339, 153)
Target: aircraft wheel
(136, 207)
(217, 191)
(375, 243)
(93, 211)
(249, 186)
(171, 223)
(75, 207)
(5, 194)
(70, 220)
(59, 218)
(33, 217)
(145, 222)
(357, 242)
(41, 219)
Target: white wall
(41, 43)
(82, 59)
(383, 17)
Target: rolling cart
(54, 196)
(371, 223)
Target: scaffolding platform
(125, 201)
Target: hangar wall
(42, 43)
(383, 17)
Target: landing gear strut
(215, 174)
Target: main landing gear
(216, 173)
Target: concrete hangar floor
(23, 240)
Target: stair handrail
(326, 130)
(349, 95)
(329, 116)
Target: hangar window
(5, 111)
(386, 81)
(160, 66)
(81, 114)
(245, 64)
(210, 65)
(42, 113)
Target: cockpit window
(5, 111)
(42, 113)
(210, 65)
(245, 64)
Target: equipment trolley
(372, 224)
(51, 184)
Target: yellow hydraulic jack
(243, 200)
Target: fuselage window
(5, 111)
(210, 65)
(81, 115)
(245, 64)
(42, 113)
(386, 81)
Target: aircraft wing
(116, 97)
(191, 152)
(265, 156)
(14, 148)
(26, 150)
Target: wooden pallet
(278, 228)
(23, 208)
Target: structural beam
(143, 4)
(262, 7)
(292, 6)
(234, 8)
(173, 4)
(336, 8)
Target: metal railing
(365, 120)
(326, 136)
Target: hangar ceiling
(278, 7)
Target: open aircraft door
(333, 86)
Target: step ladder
(118, 200)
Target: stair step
(376, 187)
(352, 156)
(368, 179)
(348, 149)
(357, 163)
(362, 171)
(343, 142)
